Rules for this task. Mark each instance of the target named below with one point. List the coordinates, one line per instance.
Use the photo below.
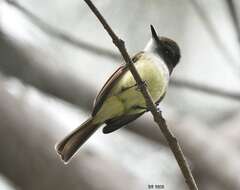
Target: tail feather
(70, 144)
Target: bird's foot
(158, 108)
(143, 83)
(137, 107)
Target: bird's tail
(70, 144)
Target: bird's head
(166, 48)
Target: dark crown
(169, 51)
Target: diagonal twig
(157, 115)
(233, 12)
(190, 85)
(58, 34)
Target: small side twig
(190, 85)
(203, 15)
(58, 34)
(172, 141)
(233, 13)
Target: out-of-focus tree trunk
(230, 130)
(206, 148)
(27, 137)
(43, 75)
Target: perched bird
(120, 101)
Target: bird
(120, 101)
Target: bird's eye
(167, 52)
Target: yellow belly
(156, 84)
(121, 101)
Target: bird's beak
(154, 34)
(156, 38)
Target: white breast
(158, 78)
(150, 52)
(160, 64)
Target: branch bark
(233, 12)
(172, 141)
(216, 155)
(209, 151)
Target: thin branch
(217, 157)
(172, 141)
(76, 42)
(234, 16)
(179, 83)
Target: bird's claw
(143, 83)
(158, 108)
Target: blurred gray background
(54, 58)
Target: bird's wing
(118, 122)
(106, 89)
(104, 92)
